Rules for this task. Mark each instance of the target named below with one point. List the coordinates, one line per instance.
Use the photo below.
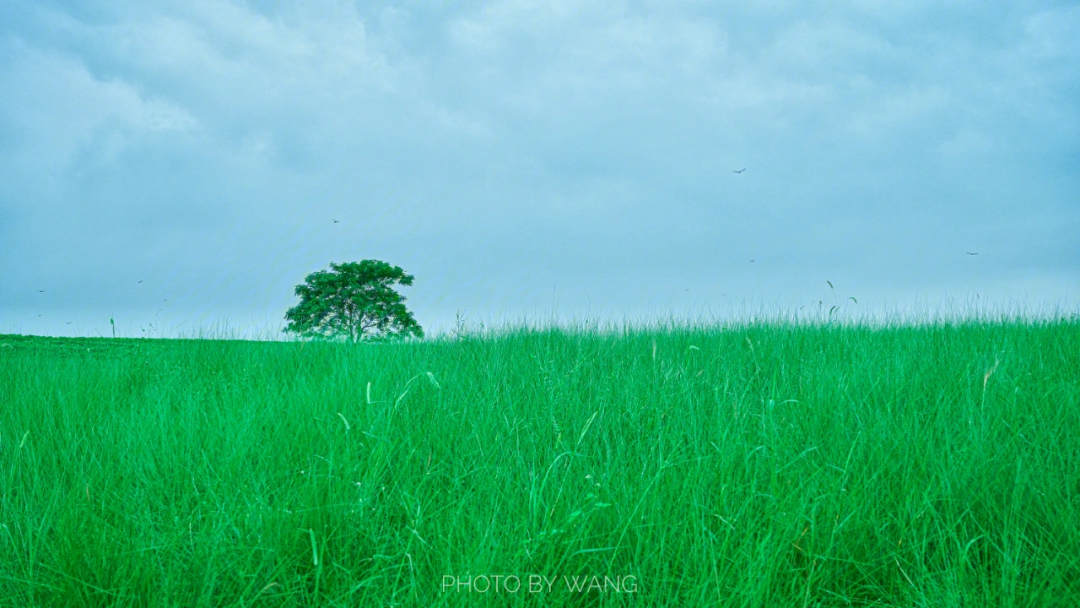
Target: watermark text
(538, 583)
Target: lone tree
(355, 300)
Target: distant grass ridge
(766, 464)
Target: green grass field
(755, 465)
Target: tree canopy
(354, 300)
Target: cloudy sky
(524, 158)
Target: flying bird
(740, 170)
(972, 252)
(336, 222)
(751, 261)
(140, 281)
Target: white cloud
(62, 110)
(1055, 34)
(590, 45)
(232, 62)
(531, 142)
